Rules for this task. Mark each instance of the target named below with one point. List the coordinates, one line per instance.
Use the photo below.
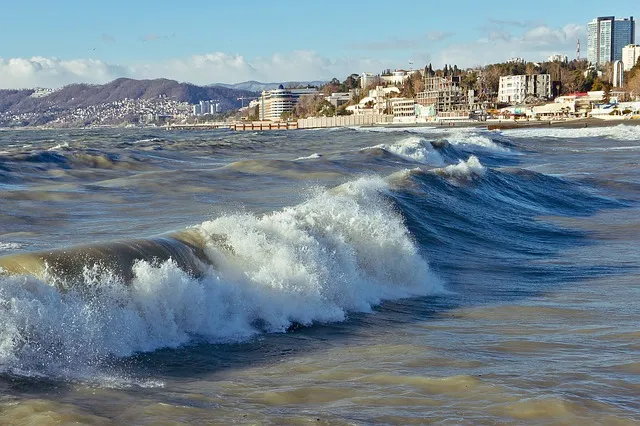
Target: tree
(633, 84)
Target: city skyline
(211, 43)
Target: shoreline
(488, 125)
(509, 124)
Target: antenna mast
(578, 50)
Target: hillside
(85, 95)
(256, 86)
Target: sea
(351, 276)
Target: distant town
(605, 84)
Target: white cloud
(53, 72)
(534, 44)
(198, 69)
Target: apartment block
(630, 56)
(516, 88)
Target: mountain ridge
(83, 95)
(257, 86)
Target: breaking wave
(414, 149)
(344, 250)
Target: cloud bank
(496, 44)
(198, 69)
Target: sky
(46, 43)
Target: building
(273, 103)
(367, 79)
(207, 107)
(377, 102)
(630, 56)
(558, 58)
(515, 89)
(618, 74)
(444, 98)
(607, 36)
(338, 99)
(516, 60)
(395, 78)
(403, 109)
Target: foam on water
(310, 157)
(473, 137)
(343, 250)
(619, 132)
(464, 169)
(9, 246)
(414, 148)
(59, 146)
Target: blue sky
(50, 43)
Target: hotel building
(273, 103)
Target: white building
(630, 56)
(516, 88)
(367, 79)
(397, 77)
(606, 37)
(515, 60)
(556, 57)
(403, 109)
(207, 107)
(273, 103)
(377, 102)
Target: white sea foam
(59, 146)
(620, 132)
(310, 157)
(9, 246)
(473, 137)
(343, 250)
(464, 169)
(414, 148)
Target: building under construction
(444, 98)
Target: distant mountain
(86, 95)
(256, 86)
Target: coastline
(488, 125)
(510, 124)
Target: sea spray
(344, 250)
(414, 148)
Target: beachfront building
(404, 109)
(514, 89)
(443, 97)
(607, 36)
(630, 56)
(273, 103)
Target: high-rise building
(630, 56)
(606, 36)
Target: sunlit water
(352, 276)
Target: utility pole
(242, 98)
